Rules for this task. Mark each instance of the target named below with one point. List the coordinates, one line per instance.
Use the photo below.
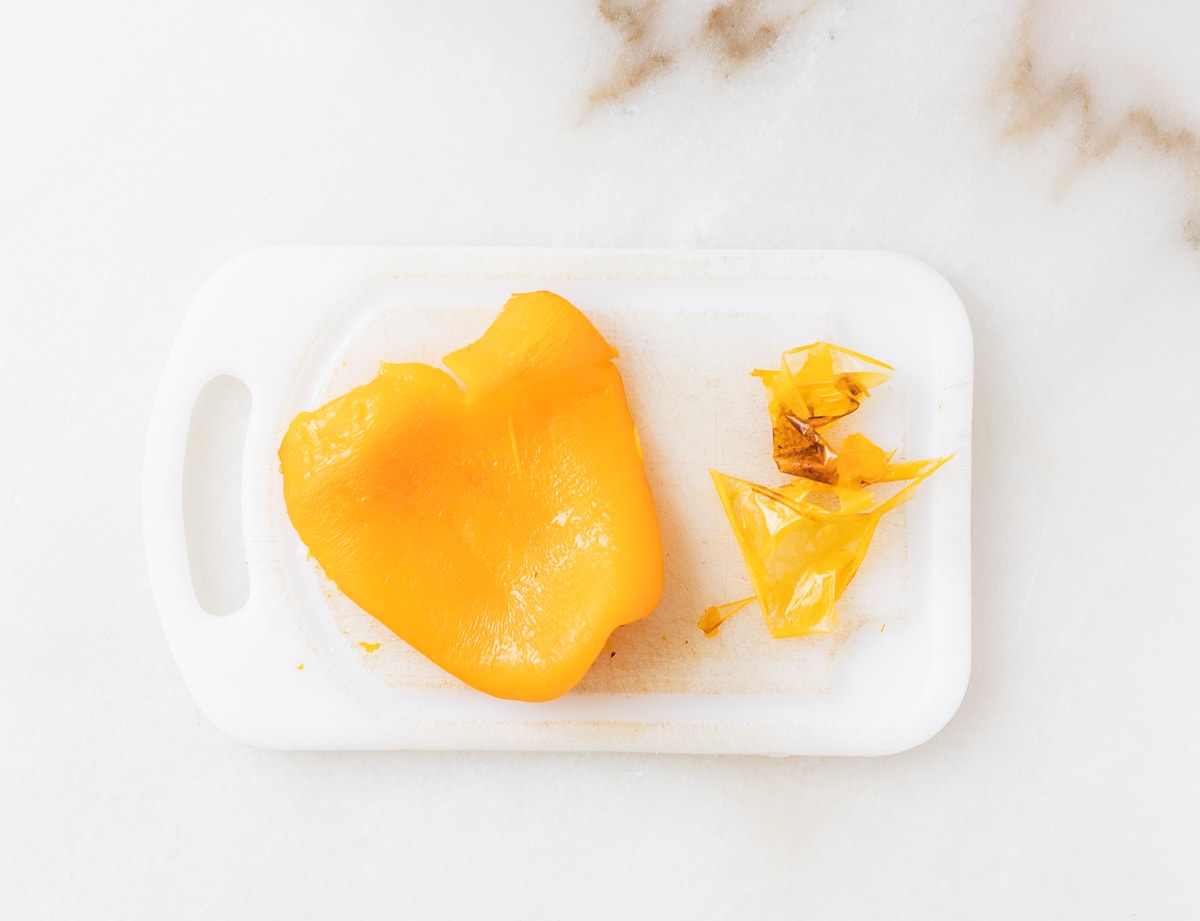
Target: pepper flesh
(503, 528)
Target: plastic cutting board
(275, 656)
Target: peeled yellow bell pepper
(503, 526)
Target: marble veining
(731, 35)
(1105, 119)
(640, 57)
(1065, 70)
(741, 32)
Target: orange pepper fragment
(503, 528)
(710, 622)
(861, 462)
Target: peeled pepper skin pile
(804, 541)
(503, 528)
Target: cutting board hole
(212, 496)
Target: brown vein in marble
(639, 60)
(1042, 103)
(731, 26)
(735, 30)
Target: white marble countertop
(1043, 155)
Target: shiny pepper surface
(503, 526)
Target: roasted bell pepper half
(499, 520)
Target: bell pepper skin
(804, 541)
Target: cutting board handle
(217, 579)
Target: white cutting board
(294, 665)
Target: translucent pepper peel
(815, 385)
(804, 541)
(505, 527)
